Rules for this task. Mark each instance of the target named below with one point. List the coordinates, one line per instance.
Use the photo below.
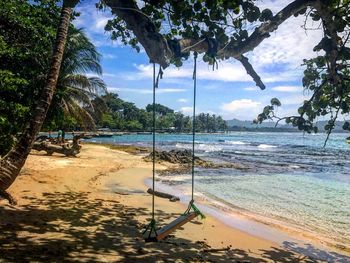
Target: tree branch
(159, 52)
(250, 70)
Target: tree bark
(12, 163)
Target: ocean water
(287, 177)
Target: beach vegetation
(12, 163)
(126, 116)
(72, 103)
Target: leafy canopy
(27, 31)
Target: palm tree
(75, 91)
(13, 162)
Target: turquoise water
(289, 177)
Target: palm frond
(93, 85)
(80, 114)
(75, 91)
(80, 54)
(80, 96)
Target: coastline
(284, 234)
(75, 201)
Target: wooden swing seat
(174, 225)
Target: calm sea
(288, 177)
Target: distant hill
(238, 125)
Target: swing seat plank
(174, 225)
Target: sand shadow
(71, 226)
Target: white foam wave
(294, 166)
(183, 145)
(266, 146)
(209, 148)
(236, 142)
(201, 146)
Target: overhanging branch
(159, 52)
(250, 70)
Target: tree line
(125, 116)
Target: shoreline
(254, 224)
(273, 230)
(92, 208)
(278, 231)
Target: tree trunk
(12, 163)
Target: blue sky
(228, 91)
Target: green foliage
(126, 116)
(160, 109)
(27, 31)
(27, 34)
(75, 90)
(218, 20)
(326, 76)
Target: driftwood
(66, 149)
(172, 198)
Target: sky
(228, 91)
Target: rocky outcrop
(184, 159)
(173, 156)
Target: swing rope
(154, 138)
(152, 225)
(188, 215)
(191, 205)
(194, 77)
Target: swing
(192, 211)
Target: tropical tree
(12, 163)
(75, 91)
(159, 108)
(26, 32)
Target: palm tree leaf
(80, 114)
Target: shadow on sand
(71, 227)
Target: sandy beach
(94, 207)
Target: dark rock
(184, 158)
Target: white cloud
(169, 90)
(94, 21)
(289, 44)
(294, 100)
(287, 88)
(108, 56)
(186, 110)
(101, 22)
(93, 75)
(182, 100)
(227, 72)
(284, 74)
(92, 18)
(251, 89)
(243, 109)
(146, 91)
(242, 104)
(109, 75)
